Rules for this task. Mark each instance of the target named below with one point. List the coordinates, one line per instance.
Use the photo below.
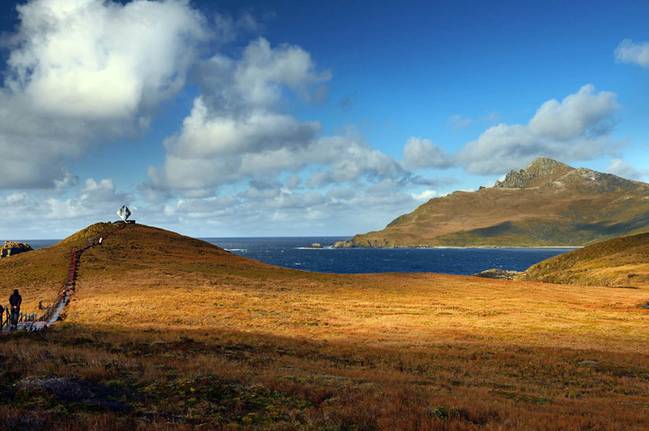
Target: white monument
(124, 213)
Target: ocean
(297, 253)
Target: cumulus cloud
(59, 211)
(236, 129)
(275, 209)
(422, 153)
(258, 79)
(204, 135)
(228, 28)
(80, 70)
(576, 128)
(237, 133)
(632, 52)
(97, 59)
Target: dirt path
(55, 312)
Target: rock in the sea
(11, 248)
(499, 273)
(343, 244)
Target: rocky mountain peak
(539, 171)
(546, 165)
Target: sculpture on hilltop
(124, 213)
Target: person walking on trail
(15, 300)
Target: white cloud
(425, 195)
(623, 169)
(205, 136)
(59, 212)
(576, 128)
(228, 28)
(258, 79)
(79, 71)
(97, 59)
(629, 51)
(275, 209)
(422, 153)
(236, 130)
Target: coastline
(470, 247)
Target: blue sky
(304, 118)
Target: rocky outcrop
(12, 248)
(343, 244)
(541, 170)
(499, 273)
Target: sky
(295, 118)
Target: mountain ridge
(548, 203)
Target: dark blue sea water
(297, 253)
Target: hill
(546, 204)
(42, 272)
(618, 262)
(167, 332)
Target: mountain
(546, 204)
(619, 262)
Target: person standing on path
(15, 300)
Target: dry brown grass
(621, 262)
(187, 335)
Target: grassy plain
(166, 332)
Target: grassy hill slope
(618, 262)
(43, 272)
(167, 332)
(548, 203)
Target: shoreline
(470, 247)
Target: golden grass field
(618, 262)
(166, 332)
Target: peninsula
(546, 204)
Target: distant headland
(546, 204)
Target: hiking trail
(54, 312)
